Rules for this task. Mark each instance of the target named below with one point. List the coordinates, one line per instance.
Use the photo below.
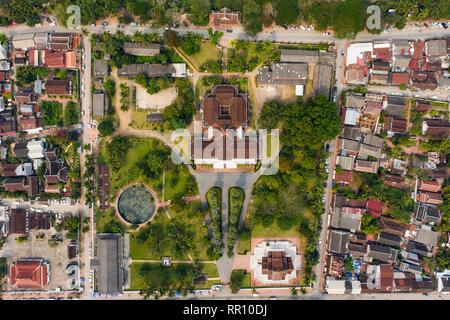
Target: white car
(303, 28)
(83, 95)
(326, 33)
(133, 24)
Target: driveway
(225, 181)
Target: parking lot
(57, 206)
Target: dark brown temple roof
(225, 107)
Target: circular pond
(136, 204)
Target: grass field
(195, 225)
(137, 282)
(140, 150)
(207, 51)
(244, 246)
(143, 251)
(259, 231)
(210, 269)
(106, 218)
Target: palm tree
(294, 291)
(302, 291)
(137, 36)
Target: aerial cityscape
(224, 150)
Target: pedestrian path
(159, 261)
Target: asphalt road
(88, 237)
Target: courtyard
(39, 248)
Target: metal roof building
(109, 263)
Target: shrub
(106, 127)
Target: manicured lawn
(208, 284)
(259, 231)
(276, 142)
(136, 281)
(179, 182)
(244, 246)
(246, 282)
(193, 223)
(176, 181)
(143, 251)
(103, 219)
(207, 52)
(246, 279)
(210, 269)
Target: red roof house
(54, 59)
(400, 78)
(374, 207)
(431, 186)
(429, 197)
(29, 273)
(386, 278)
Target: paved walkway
(225, 181)
(159, 261)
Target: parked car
(273, 298)
(229, 31)
(445, 25)
(104, 24)
(118, 26)
(326, 33)
(166, 28)
(133, 24)
(48, 20)
(285, 27)
(186, 24)
(93, 24)
(292, 28)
